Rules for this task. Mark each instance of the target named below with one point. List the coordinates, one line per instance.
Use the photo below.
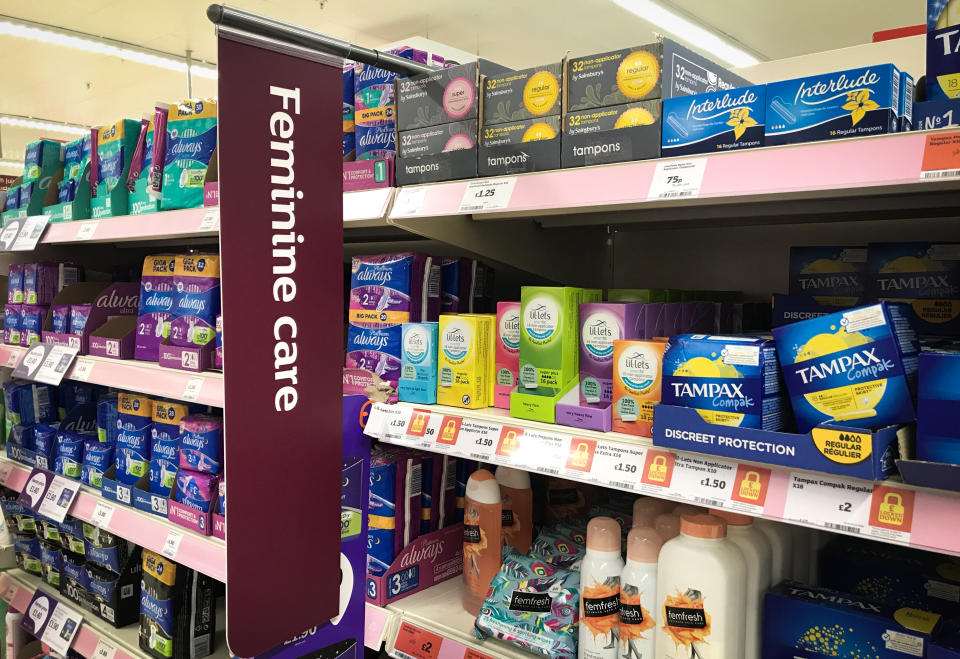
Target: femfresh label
(530, 602)
(718, 121)
(686, 618)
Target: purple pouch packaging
(60, 318)
(218, 341)
(222, 499)
(387, 290)
(349, 135)
(41, 282)
(79, 314)
(394, 505)
(201, 443)
(31, 323)
(196, 490)
(156, 305)
(97, 458)
(652, 319)
(196, 299)
(11, 324)
(458, 278)
(165, 443)
(602, 323)
(376, 350)
(373, 142)
(672, 318)
(697, 317)
(15, 284)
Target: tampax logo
(541, 318)
(836, 598)
(859, 365)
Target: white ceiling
(63, 84)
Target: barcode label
(710, 503)
(545, 470)
(620, 485)
(940, 173)
(201, 646)
(480, 456)
(675, 195)
(846, 528)
(467, 209)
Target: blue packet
(68, 453)
(45, 439)
(725, 120)
(50, 561)
(30, 402)
(97, 458)
(108, 418)
(71, 536)
(72, 394)
(27, 549)
(11, 324)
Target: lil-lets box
(507, 352)
(851, 103)
(418, 363)
(464, 360)
(726, 120)
(637, 380)
(853, 368)
(819, 622)
(601, 325)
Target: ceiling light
(100, 46)
(40, 124)
(682, 28)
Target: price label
(192, 390)
(477, 440)
(38, 611)
(395, 425)
(13, 358)
(677, 179)
(211, 220)
(172, 544)
(11, 593)
(102, 514)
(87, 230)
(123, 494)
(82, 368)
(365, 204)
(703, 481)
(45, 362)
(5, 469)
(9, 234)
(487, 194)
(408, 202)
(617, 465)
(62, 625)
(68, 212)
(29, 236)
(32, 494)
(58, 498)
(941, 157)
(470, 653)
(542, 451)
(104, 650)
(827, 502)
(415, 643)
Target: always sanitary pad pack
(191, 140)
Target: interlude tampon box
(851, 103)
(507, 352)
(418, 363)
(602, 323)
(714, 122)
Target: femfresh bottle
(638, 593)
(517, 499)
(781, 547)
(701, 593)
(757, 556)
(688, 509)
(667, 526)
(482, 538)
(801, 554)
(600, 590)
(646, 509)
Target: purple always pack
(11, 324)
(60, 318)
(196, 299)
(196, 490)
(79, 315)
(15, 284)
(387, 290)
(156, 305)
(376, 350)
(602, 323)
(201, 443)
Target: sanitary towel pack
(134, 422)
(196, 299)
(191, 139)
(395, 482)
(156, 305)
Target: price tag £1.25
(487, 194)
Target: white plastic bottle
(701, 573)
(688, 509)
(667, 526)
(755, 547)
(781, 546)
(638, 594)
(646, 509)
(600, 590)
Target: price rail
(886, 511)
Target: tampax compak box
(658, 70)
(943, 50)
(619, 133)
(835, 276)
(851, 103)
(714, 122)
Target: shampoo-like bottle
(781, 547)
(482, 538)
(638, 594)
(667, 526)
(646, 509)
(600, 590)
(517, 499)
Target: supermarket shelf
(17, 588)
(201, 222)
(366, 208)
(845, 505)
(750, 186)
(379, 625)
(436, 615)
(202, 553)
(132, 375)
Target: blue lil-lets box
(852, 368)
(808, 621)
(418, 363)
(924, 275)
(938, 407)
(852, 103)
(718, 121)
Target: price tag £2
(416, 643)
(828, 502)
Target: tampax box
(726, 120)
(853, 368)
(926, 276)
(601, 325)
(442, 96)
(943, 50)
(792, 308)
(507, 352)
(549, 358)
(851, 103)
(518, 95)
(938, 407)
(936, 114)
(637, 380)
(658, 70)
(464, 360)
(418, 363)
(819, 622)
(835, 276)
(729, 380)
(619, 133)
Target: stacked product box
(613, 100)
(943, 58)
(928, 115)
(714, 122)
(43, 168)
(520, 121)
(438, 121)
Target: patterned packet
(534, 605)
(556, 546)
